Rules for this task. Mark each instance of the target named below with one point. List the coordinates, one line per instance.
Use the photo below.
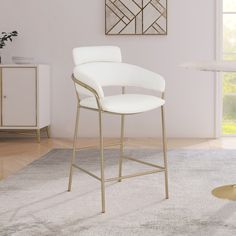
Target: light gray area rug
(35, 201)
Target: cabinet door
(19, 97)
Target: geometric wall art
(135, 17)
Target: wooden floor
(16, 153)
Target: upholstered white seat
(124, 103)
(101, 66)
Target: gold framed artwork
(136, 17)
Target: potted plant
(6, 37)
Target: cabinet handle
(5, 96)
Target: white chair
(96, 67)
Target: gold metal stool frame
(122, 157)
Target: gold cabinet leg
(102, 162)
(48, 131)
(74, 148)
(164, 150)
(121, 146)
(38, 135)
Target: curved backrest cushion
(83, 55)
(98, 74)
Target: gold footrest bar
(143, 162)
(97, 147)
(87, 172)
(134, 175)
(119, 178)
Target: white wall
(49, 29)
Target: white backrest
(101, 66)
(83, 55)
(119, 74)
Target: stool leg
(102, 162)
(74, 147)
(121, 146)
(164, 150)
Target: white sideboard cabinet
(25, 98)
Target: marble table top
(215, 66)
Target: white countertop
(22, 65)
